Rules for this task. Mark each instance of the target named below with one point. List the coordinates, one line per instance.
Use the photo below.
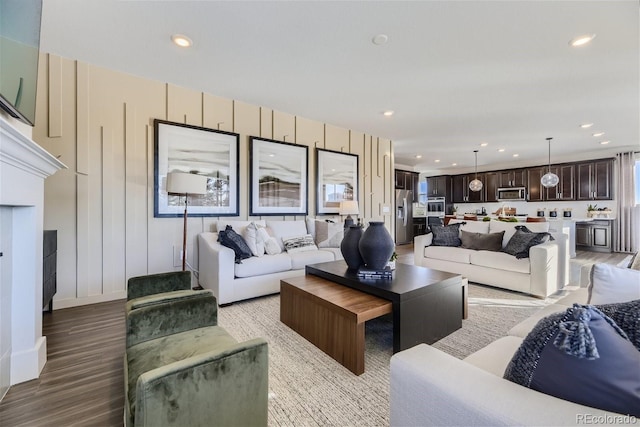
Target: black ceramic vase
(349, 247)
(376, 246)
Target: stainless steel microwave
(512, 193)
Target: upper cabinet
(512, 178)
(439, 186)
(407, 180)
(594, 180)
(461, 191)
(565, 189)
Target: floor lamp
(183, 184)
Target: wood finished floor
(82, 382)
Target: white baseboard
(94, 299)
(27, 365)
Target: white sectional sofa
(432, 388)
(255, 276)
(542, 274)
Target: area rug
(309, 388)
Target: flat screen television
(19, 52)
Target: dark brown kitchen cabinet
(491, 185)
(407, 180)
(512, 178)
(461, 191)
(594, 180)
(594, 235)
(439, 186)
(535, 190)
(565, 189)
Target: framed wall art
(203, 151)
(279, 177)
(336, 180)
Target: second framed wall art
(336, 181)
(279, 178)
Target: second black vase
(349, 247)
(376, 246)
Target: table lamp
(348, 207)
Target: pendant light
(549, 179)
(476, 184)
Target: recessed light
(516, 155)
(598, 134)
(604, 142)
(437, 160)
(500, 150)
(182, 40)
(454, 164)
(272, 155)
(582, 40)
(380, 39)
(388, 113)
(586, 125)
(418, 156)
(484, 144)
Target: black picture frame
(336, 180)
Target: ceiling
(456, 73)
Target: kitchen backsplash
(578, 209)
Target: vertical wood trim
(107, 182)
(82, 117)
(55, 96)
(82, 236)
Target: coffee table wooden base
(330, 316)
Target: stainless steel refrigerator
(404, 217)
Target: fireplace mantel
(24, 166)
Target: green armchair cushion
(169, 313)
(157, 283)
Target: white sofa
(542, 274)
(255, 276)
(432, 388)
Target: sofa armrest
(432, 388)
(226, 387)
(217, 267)
(157, 283)
(544, 265)
(171, 316)
(419, 243)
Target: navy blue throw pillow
(581, 356)
(446, 235)
(523, 239)
(229, 238)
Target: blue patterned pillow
(446, 235)
(581, 356)
(229, 238)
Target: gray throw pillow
(522, 241)
(446, 235)
(482, 241)
(581, 356)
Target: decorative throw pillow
(581, 356)
(446, 235)
(482, 241)
(271, 246)
(299, 244)
(610, 284)
(627, 317)
(328, 234)
(254, 242)
(233, 240)
(522, 240)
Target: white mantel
(24, 165)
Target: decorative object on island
(348, 207)
(184, 184)
(540, 212)
(476, 184)
(566, 212)
(549, 179)
(376, 246)
(553, 213)
(350, 247)
(593, 211)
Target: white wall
(100, 123)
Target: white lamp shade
(475, 185)
(348, 207)
(186, 183)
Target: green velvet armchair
(181, 369)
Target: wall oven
(435, 206)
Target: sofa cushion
(267, 264)
(302, 243)
(446, 235)
(446, 253)
(522, 241)
(471, 226)
(495, 357)
(500, 261)
(336, 252)
(610, 284)
(509, 228)
(284, 229)
(301, 259)
(238, 226)
(523, 328)
(481, 241)
(582, 356)
(328, 234)
(233, 240)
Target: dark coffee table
(426, 302)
